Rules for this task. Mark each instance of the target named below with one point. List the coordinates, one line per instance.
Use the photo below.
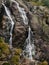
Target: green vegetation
(43, 63)
(46, 3)
(16, 57)
(5, 52)
(40, 2)
(37, 3)
(18, 51)
(6, 64)
(4, 49)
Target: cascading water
(30, 46)
(30, 49)
(12, 23)
(22, 12)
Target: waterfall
(30, 49)
(22, 12)
(12, 23)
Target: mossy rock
(1, 40)
(0, 53)
(4, 47)
(15, 59)
(6, 64)
(43, 63)
(18, 51)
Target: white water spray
(30, 50)
(22, 12)
(29, 47)
(12, 23)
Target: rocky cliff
(38, 17)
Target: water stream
(22, 12)
(12, 23)
(30, 49)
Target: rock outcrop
(38, 17)
(20, 29)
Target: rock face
(39, 22)
(28, 62)
(20, 29)
(9, 56)
(40, 26)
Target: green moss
(6, 64)
(18, 51)
(37, 3)
(4, 47)
(45, 28)
(1, 40)
(15, 59)
(5, 52)
(0, 53)
(40, 2)
(43, 63)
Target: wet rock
(28, 62)
(20, 29)
(38, 22)
(42, 50)
(19, 35)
